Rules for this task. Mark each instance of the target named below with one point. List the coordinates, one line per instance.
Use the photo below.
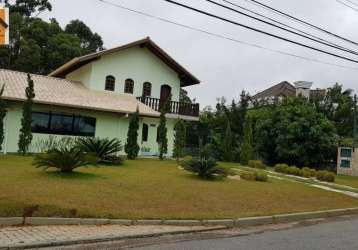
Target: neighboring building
(286, 89)
(94, 95)
(347, 161)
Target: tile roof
(61, 92)
(186, 77)
(281, 89)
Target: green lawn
(150, 189)
(347, 180)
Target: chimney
(303, 88)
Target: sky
(224, 67)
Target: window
(346, 152)
(145, 131)
(110, 83)
(129, 86)
(62, 124)
(147, 89)
(345, 164)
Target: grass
(150, 189)
(347, 180)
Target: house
(94, 95)
(286, 89)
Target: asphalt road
(340, 235)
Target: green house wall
(108, 125)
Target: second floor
(141, 69)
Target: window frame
(110, 83)
(129, 86)
(147, 89)
(74, 131)
(145, 132)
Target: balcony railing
(179, 108)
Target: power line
(224, 37)
(260, 31)
(300, 21)
(347, 5)
(280, 23)
(279, 27)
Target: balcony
(178, 108)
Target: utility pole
(355, 122)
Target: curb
(241, 222)
(105, 239)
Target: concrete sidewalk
(43, 236)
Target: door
(165, 92)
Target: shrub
(293, 171)
(254, 176)
(43, 145)
(261, 176)
(204, 168)
(305, 173)
(257, 164)
(326, 176)
(105, 149)
(64, 159)
(281, 168)
(312, 172)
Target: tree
(25, 137)
(246, 153)
(227, 144)
(132, 147)
(295, 133)
(180, 139)
(90, 42)
(38, 46)
(2, 116)
(162, 130)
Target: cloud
(225, 68)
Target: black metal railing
(180, 108)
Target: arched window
(147, 89)
(110, 83)
(129, 86)
(145, 131)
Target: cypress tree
(25, 137)
(180, 139)
(162, 130)
(247, 151)
(2, 116)
(227, 143)
(132, 147)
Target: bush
(254, 176)
(305, 173)
(105, 149)
(293, 171)
(204, 168)
(257, 164)
(261, 176)
(64, 159)
(312, 172)
(326, 176)
(248, 176)
(281, 168)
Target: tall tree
(227, 144)
(180, 139)
(90, 42)
(2, 116)
(162, 130)
(132, 147)
(246, 152)
(38, 46)
(25, 137)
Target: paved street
(342, 235)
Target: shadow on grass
(72, 176)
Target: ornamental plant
(132, 148)
(2, 116)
